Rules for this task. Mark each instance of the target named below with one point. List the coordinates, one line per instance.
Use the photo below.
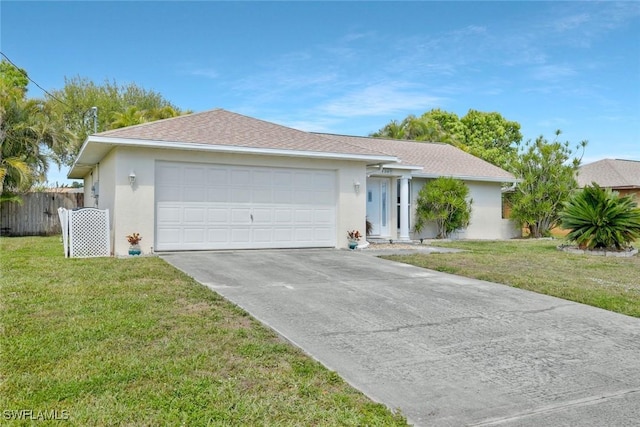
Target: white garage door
(204, 206)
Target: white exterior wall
(486, 213)
(133, 208)
(104, 175)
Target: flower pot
(135, 250)
(353, 244)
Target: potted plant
(134, 242)
(353, 236)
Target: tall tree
(547, 173)
(491, 137)
(486, 135)
(117, 106)
(445, 127)
(30, 135)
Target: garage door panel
(218, 215)
(284, 196)
(241, 177)
(303, 216)
(217, 176)
(240, 195)
(262, 235)
(172, 215)
(261, 216)
(323, 234)
(303, 234)
(170, 237)
(283, 216)
(169, 175)
(282, 179)
(303, 180)
(218, 235)
(238, 207)
(240, 235)
(170, 193)
(262, 195)
(262, 178)
(242, 216)
(194, 235)
(282, 235)
(194, 175)
(304, 197)
(194, 194)
(195, 215)
(217, 194)
(323, 216)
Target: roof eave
(104, 144)
(468, 177)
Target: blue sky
(351, 67)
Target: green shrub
(598, 218)
(443, 200)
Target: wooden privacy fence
(37, 215)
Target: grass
(132, 341)
(536, 265)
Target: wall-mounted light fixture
(132, 178)
(356, 186)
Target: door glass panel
(384, 204)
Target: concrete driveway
(445, 350)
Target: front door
(378, 205)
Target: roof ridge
(140, 125)
(383, 139)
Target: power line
(33, 81)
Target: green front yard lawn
(133, 341)
(536, 265)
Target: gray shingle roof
(610, 173)
(224, 128)
(221, 127)
(434, 158)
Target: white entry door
(378, 206)
(207, 206)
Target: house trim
(96, 147)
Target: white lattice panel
(89, 233)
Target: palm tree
(29, 137)
(131, 116)
(598, 218)
(393, 130)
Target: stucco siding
(486, 213)
(136, 204)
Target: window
(398, 203)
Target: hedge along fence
(37, 215)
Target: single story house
(221, 180)
(619, 175)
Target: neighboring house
(622, 176)
(221, 180)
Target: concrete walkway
(445, 350)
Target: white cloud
(382, 99)
(205, 72)
(570, 22)
(552, 72)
